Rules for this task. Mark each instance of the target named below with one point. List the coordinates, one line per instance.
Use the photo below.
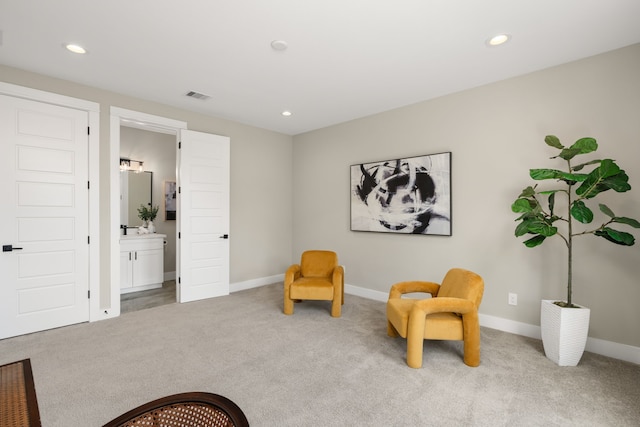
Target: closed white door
(44, 224)
(203, 216)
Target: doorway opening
(152, 142)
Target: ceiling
(345, 58)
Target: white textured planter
(564, 332)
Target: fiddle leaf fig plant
(539, 219)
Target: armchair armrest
(338, 275)
(292, 274)
(442, 305)
(401, 288)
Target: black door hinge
(88, 240)
(179, 145)
(88, 294)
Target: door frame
(123, 117)
(93, 210)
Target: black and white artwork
(410, 195)
(170, 205)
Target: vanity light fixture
(498, 39)
(286, 113)
(75, 48)
(125, 165)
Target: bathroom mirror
(135, 190)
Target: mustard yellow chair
(450, 314)
(317, 277)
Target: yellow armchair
(450, 314)
(317, 277)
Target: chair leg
(471, 341)
(391, 331)
(288, 306)
(336, 308)
(288, 302)
(414, 352)
(415, 338)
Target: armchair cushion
(438, 326)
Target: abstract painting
(409, 195)
(170, 205)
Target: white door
(44, 224)
(203, 216)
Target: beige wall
(495, 133)
(261, 191)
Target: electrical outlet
(513, 299)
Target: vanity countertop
(132, 236)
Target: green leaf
(541, 227)
(552, 202)
(528, 192)
(523, 205)
(581, 212)
(618, 182)
(608, 168)
(569, 153)
(550, 191)
(522, 229)
(540, 174)
(585, 145)
(581, 166)
(615, 236)
(629, 221)
(553, 141)
(607, 175)
(534, 241)
(581, 146)
(605, 210)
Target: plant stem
(569, 241)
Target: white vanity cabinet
(141, 262)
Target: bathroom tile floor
(146, 299)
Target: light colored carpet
(310, 369)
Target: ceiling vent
(198, 95)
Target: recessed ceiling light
(279, 45)
(75, 48)
(498, 39)
(286, 113)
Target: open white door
(44, 221)
(203, 216)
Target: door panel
(203, 216)
(44, 172)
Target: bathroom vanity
(141, 262)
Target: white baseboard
(511, 326)
(255, 283)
